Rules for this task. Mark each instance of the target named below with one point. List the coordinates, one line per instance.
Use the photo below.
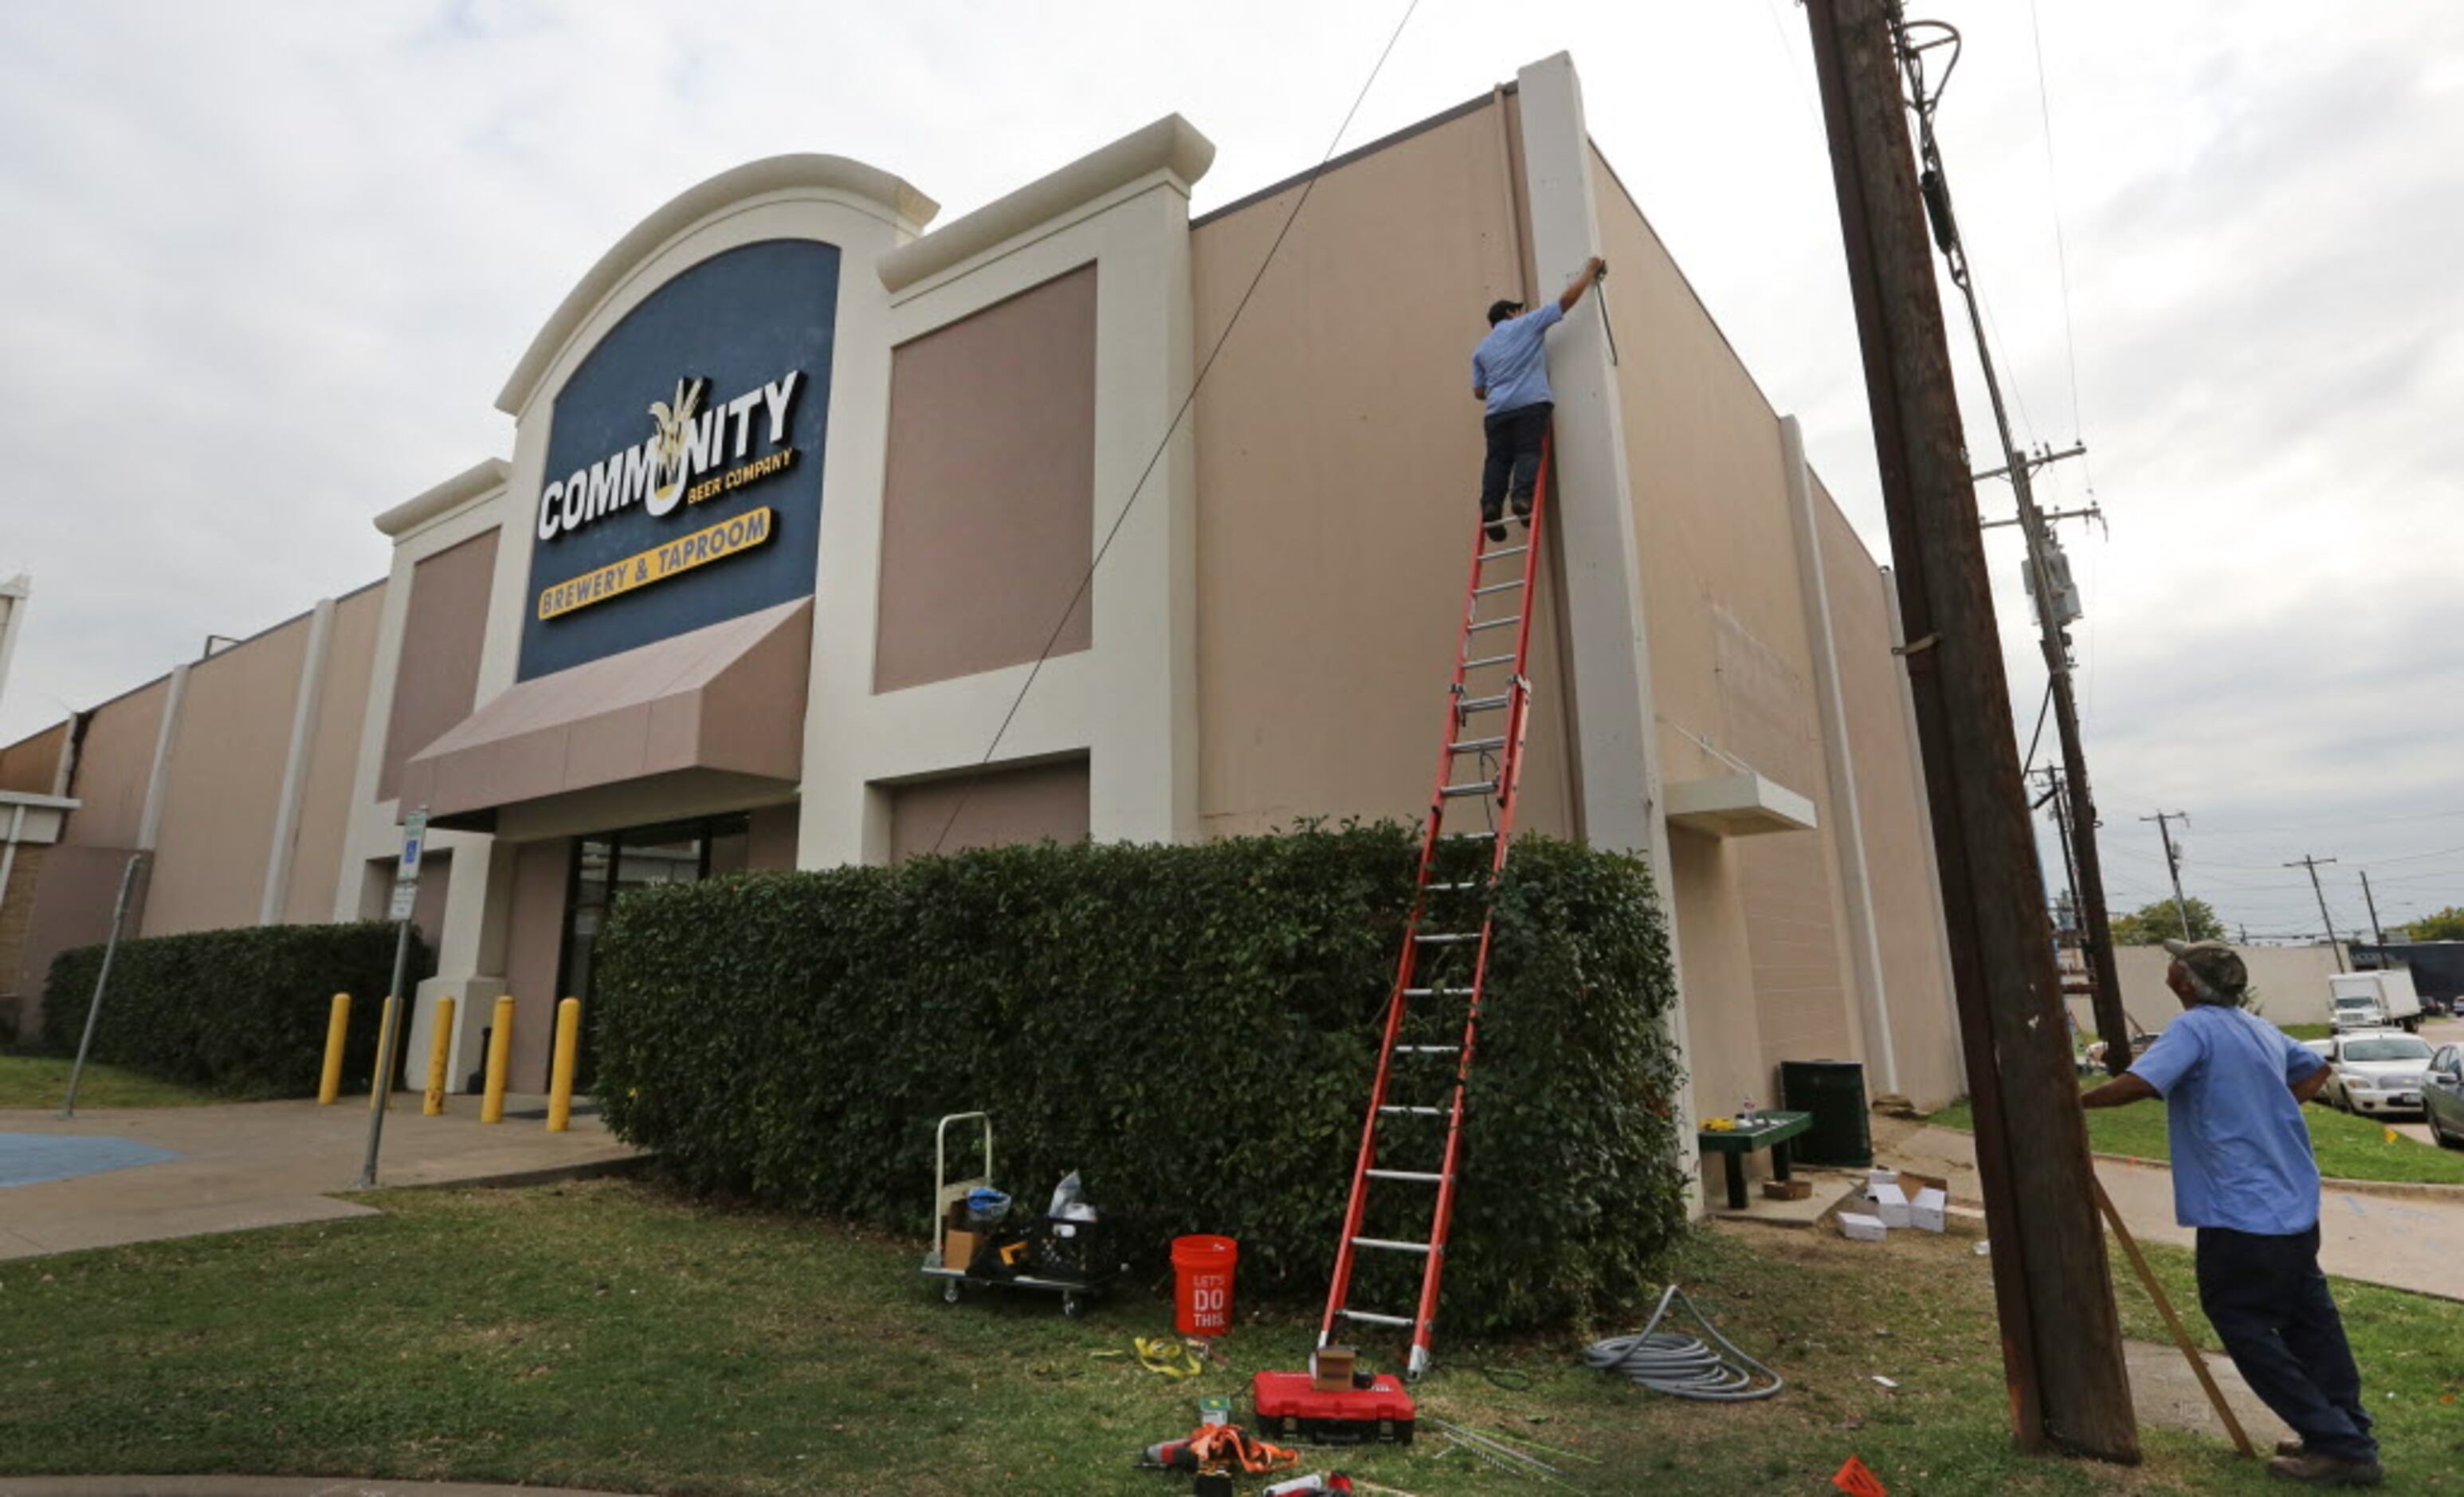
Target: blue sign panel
(684, 459)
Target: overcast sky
(264, 267)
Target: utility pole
(2173, 861)
(2061, 1339)
(2048, 587)
(2376, 933)
(2326, 921)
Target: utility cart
(1055, 1256)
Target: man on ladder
(1509, 371)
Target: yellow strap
(1166, 1356)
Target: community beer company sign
(680, 483)
(693, 453)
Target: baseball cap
(2212, 962)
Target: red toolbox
(1375, 1410)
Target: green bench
(1764, 1131)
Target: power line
(1179, 414)
(2053, 201)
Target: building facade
(801, 491)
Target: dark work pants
(2269, 1306)
(1513, 458)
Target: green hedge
(1193, 1027)
(242, 1011)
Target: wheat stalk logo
(667, 479)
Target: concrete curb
(265, 1487)
(2418, 1189)
(512, 1179)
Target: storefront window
(609, 864)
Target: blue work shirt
(1512, 362)
(2241, 1153)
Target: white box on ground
(1856, 1226)
(1878, 1176)
(1890, 1203)
(1926, 1212)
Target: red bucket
(1202, 1266)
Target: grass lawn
(41, 1081)
(614, 1335)
(2307, 1031)
(2347, 1147)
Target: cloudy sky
(265, 266)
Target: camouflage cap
(2212, 962)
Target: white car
(2376, 1071)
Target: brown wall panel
(534, 947)
(987, 519)
(113, 765)
(1907, 901)
(333, 758)
(1339, 465)
(224, 782)
(772, 838)
(1007, 806)
(444, 626)
(31, 765)
(73, 900)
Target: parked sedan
(2442, 1095)
(2377, 1072)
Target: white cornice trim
(473, 482)
(1171, 145)
(771, 174)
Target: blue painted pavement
(32, 1158)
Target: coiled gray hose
(1683, 1366)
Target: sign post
(101, 980)
(406, 893)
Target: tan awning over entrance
(728, 697)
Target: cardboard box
(1331, 1369)
(1787, 1190)
(1926, 1208)
(959, 1248)
(1859, 1227)
(1889, 1202)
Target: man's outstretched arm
(1582, 282)
(2127, 1088)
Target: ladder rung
(1496, 623)
(1437, 992)
(1421, 1175)
(1468, 836)
(1489, 660)
(1415, 1112)
(1476, 745)
(1499, 555)
(1451, 939)
(1470, 883)
(1477, 787)
(1388, 1245)
(1368, 1317)
(1485, 703)
(1428, 1049)
(1483, 592)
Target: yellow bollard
(440, 1044)
(500, 1055)
(338, 1029)
(560, 1080)
(380, 1081)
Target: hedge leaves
(1193, 1027)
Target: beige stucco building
(777, 622)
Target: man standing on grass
(2244, 1175)
(1509, 370)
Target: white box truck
(2373, 1001)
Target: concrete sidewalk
(2405, 1243)
(275, 1163)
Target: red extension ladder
(1445, 965)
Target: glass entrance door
(607, 866)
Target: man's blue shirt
(1512, 362)
(2241, 1153)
